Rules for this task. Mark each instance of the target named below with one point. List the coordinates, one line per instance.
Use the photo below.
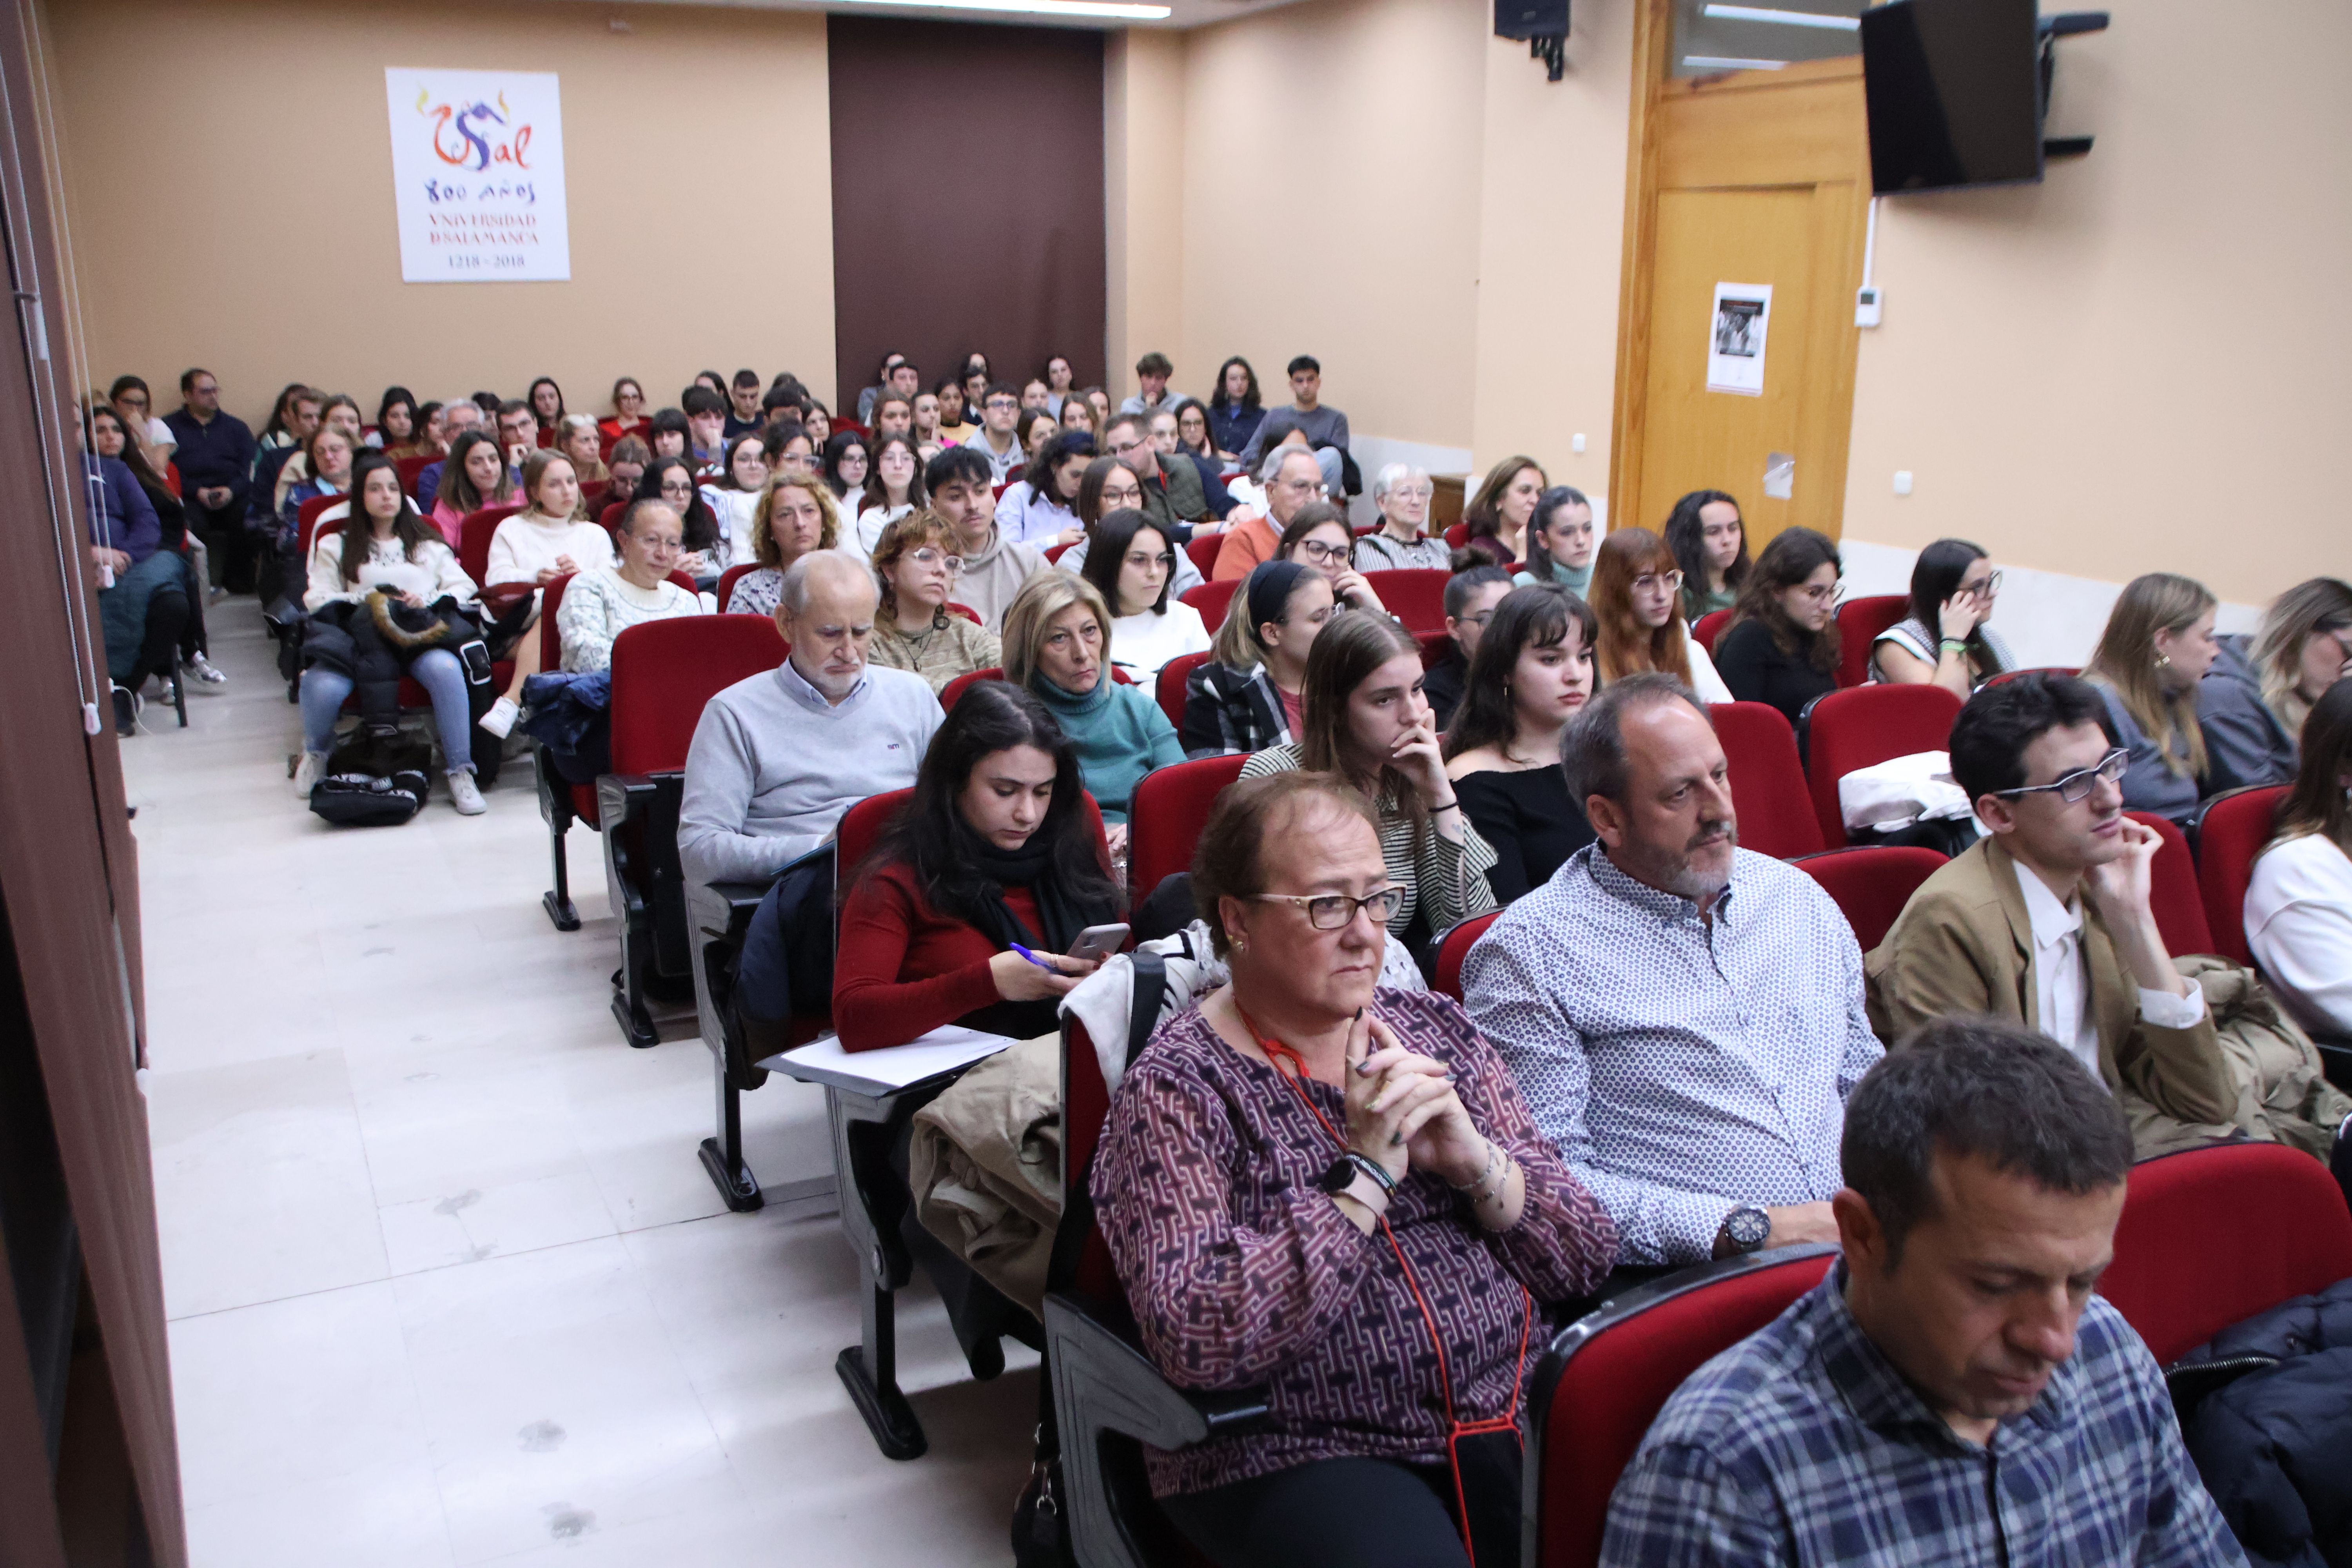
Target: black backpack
(375, 778)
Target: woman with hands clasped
(1307, 1184)
(1365, 719)
(994, 852)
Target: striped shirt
(1444, 880)
(1803, 1443)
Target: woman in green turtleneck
(1710, 545)
(1057, 646)
(1560, 539)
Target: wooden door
(1753, 177)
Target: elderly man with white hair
(1401, 493)
(778, 758)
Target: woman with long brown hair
(2299, 904)
(2158, 645)
(1781, 647)
(1636, 597)
(1498, 516)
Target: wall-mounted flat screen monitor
(1954, 94)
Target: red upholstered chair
(474, 548)
(2211, 1237)
(1454, 947)
(1172, 805)
(2173, 894)
(1870, 883)
(966, 611)
(1433, 647)
(2231, 831)
(410, 468)
(1859, 621)
(1212, 599)
(1054, 552)
(962, 683)
(1203, 551)
(1860, 725)
(1605, 1377)
(1168, 686)
(609, 517)
(591, 499)
(306, 522)
(1457, 536)
(1416, 597)
(727, 581)
(1708, 627)
(663, 674)
(1767, 782)
(2041, 669)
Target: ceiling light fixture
(1102, 8)
(1783, 18)
(1720, 63)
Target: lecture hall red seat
(1859, 621)
(608, 518)
(1203, 551)
(306, 524)
(2173, 895)
(410, 468)
(1709, 628)
(474, 549)
(1172, 805)
(727, 581)
(1417, 598)
(1767, 783)
(2039, 670)
(1168, 686)
(1454, 947)
(1433, 647)
(1870, 883)
(1211, 599)
(1856, 726)
(1054, 552)
(2230, 830)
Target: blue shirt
(1681, 1067)
(1803, 1443)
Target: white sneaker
(200, 674)
(501, 717)
(309, 771)
(464, 795)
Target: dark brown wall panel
(967, 197)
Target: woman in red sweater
(994, 847)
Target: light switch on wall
(1575, 442)
(1903, 481)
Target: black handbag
(375, 778)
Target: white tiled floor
(447, 1282)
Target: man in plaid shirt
(1951, 1392)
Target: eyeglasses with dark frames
(2077, 785)
(1333, 911)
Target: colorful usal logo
(476, 135)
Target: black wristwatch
(1746, 1228)
(1341, 1173)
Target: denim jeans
(435, 669)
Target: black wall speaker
(1525, 19)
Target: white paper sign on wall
(477, 173)
(1741, 316)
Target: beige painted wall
(230, 198)
(1143, 202)
(2139, 364)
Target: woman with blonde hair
(549, 538)
(2253, 703)
(917, 563)
(795, 516)
(576, 436)
(1637, 597)
(2158, 645)
(1058, 646)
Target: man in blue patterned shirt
(1951, 1392)
(1685, 1016)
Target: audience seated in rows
(794, 518)
(1710, 549)
(337, 412)
(1167, 442)
(1077, 414)
(915, 564)
(847, 461)
(1037, 509)
(1323, 430)
(1271, 1155)
(1946, 639)
(1291, 479)
(707, 538)
(110, 435)
(1235, 410)
(215, 454)
(145, 591)
(994, 567)
(326, 471)
(1134, 571)
(1365, 721)
(1057, 645)
(1151, 374)
(1401, 493)
(628, 416)
(732, 498)
(1637, 597)
(1782, 648)
(706, 429)
(1247, 698)
(1628, 993)
(1109, 485)
(1531, 674)
(459, 418)
(1561, 539)
(1471, 596)
(385, 556)
(2046, 921)
(2158, 645)
(777, 758)
(1953, 1390)
(894, 490)
(577, 439)
(1172, 494)
(996, 439)
(548, 538)
(2299, 904)
(994, 847)
(546, 401)
(604, 600)
(1498, 516)
(2252, 702)
(135, 409)
(474, 475)
(1318, 539)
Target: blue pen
(1033, 958)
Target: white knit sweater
(598, 605)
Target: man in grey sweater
(994, 567)
(1325, 427)
(778, 758)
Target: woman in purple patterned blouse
(1304, 1177)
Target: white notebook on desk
(936, 1055)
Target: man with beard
(1685, 1016)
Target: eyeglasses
(998, 403)
(672, 488)
(1320, 553)
(1991, 584)
(1817, 595)
(927, 556)
(1335, 912)
(1650, 582)
(2077, 785)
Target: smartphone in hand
(1099, 941)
